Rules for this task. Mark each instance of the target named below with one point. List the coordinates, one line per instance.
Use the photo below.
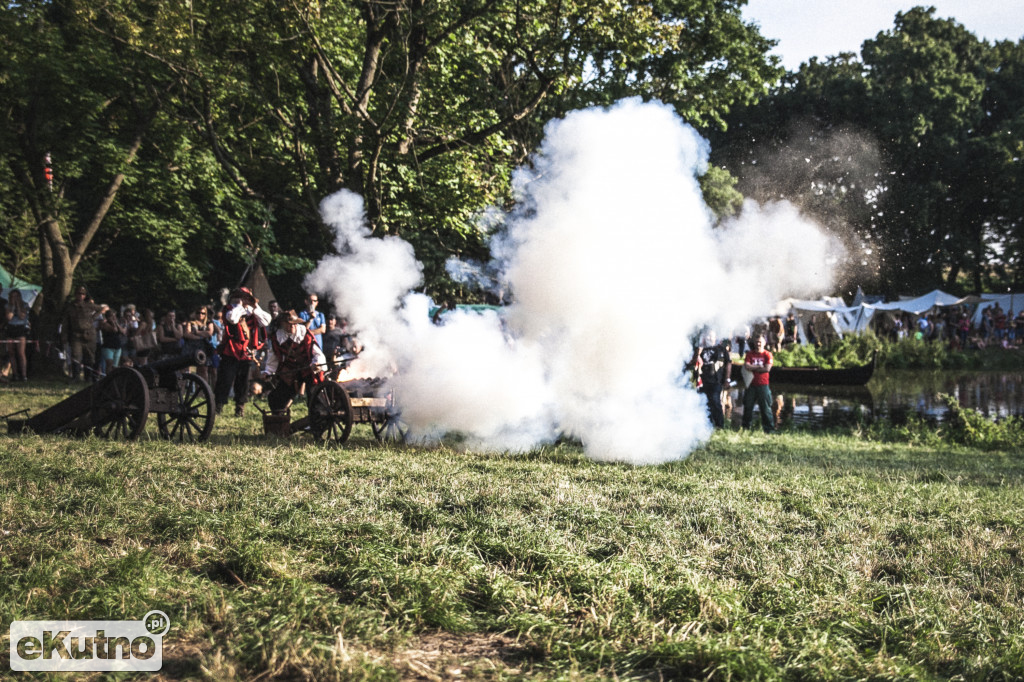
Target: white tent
(843, 319)
(921, 304)
(846, 319)
(1010, 303)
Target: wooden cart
(335, 407)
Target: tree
(927, 81)
(96, 91)
(913, 146)
(806, 144)
(183, 134)
(423, 108)
(46, 74)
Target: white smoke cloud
(613, 264)
(772, 251)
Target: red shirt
(762, 359)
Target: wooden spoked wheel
(193, 416)
(390, 428)
(330, 413)
(120, 405)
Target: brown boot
(239, 410)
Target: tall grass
(798, 556)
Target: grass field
(798, 556)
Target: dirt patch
(186, 659)
(444, 656)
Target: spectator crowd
(94, 338)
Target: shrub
(970, 427)
(911, 353)
(962, 427)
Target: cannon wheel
(120, 405)
(330, 413)
(389, 428)
(192, 421)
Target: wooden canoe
(814, 376)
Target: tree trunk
(60, 259)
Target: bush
(970, 427)
(911, 353)
(853, 350)
(962, 427)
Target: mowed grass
(798, 556)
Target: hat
(244, 293)
(287, 317)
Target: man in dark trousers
(757, 365)
(78, 331)
(295, 358)
(245, 325)
(714, 365)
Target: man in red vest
(244, 335)
(295, 358)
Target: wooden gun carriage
(118, 405)
(335, 407)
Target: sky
(823, 28)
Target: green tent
(9, 281)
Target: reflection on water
(894, 394)
(997, 395)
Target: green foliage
(850, 351)
(720, 194)
(961, 426)
(971, 428)
(19, 250)
(250, 114)
(906, 154)
(910, 353)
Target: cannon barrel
(168, 366)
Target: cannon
(118, 405)
(335, 407)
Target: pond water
(896, 393)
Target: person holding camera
(245, 325)
(313, 319)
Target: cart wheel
(120, 404)
(390, 428)
(330, 413)
(193, 416)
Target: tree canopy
(911, 152)
(186, 136)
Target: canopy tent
(256, 281)
(8, 281)
(922, 304)
(845, 319)
(861, 297)
(465, 307)
(842, 318)
(1010, 303)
